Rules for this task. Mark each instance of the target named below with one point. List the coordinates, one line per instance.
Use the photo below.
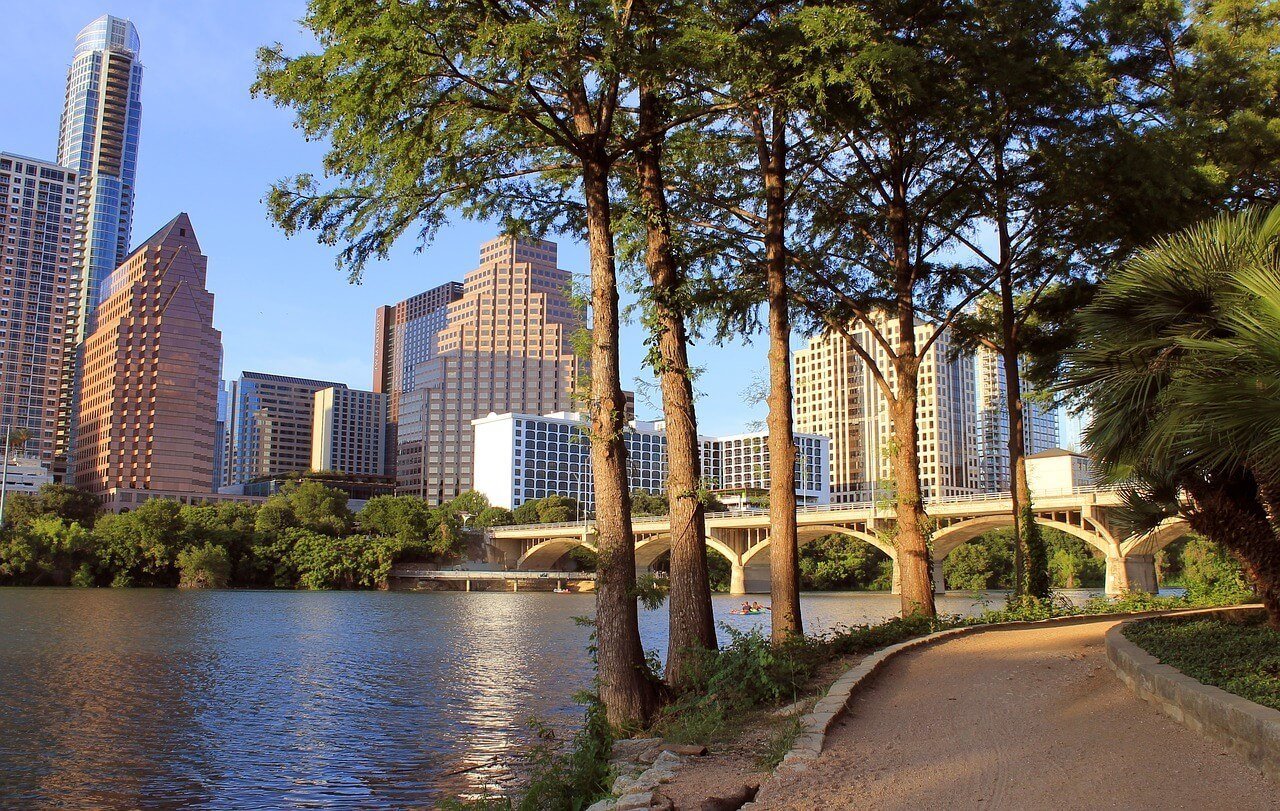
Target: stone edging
(1249, 730)
(818, 721)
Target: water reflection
(242, 699)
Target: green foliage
(1211, 574)
(986, 562)
(494, 517)
(204, 567)
(645, 503)
(838, 561)
(548, 510)
(471, 502)
(1240, 658)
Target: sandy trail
(1015, 719)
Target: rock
(668, 759)
(625, 784)
(632, 748)
(606, 804)
(662, 803)
(685, 749)
(664, 774)
(634, 802)
(731, 802)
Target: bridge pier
(1131, 573)
(939, 579)
(737, 578)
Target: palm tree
(1180, 365)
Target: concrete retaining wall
(1248, 729)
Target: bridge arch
(809, 533)
(652, 548)
(543, 556)
(1148, 543)
(947, 539)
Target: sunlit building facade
(1039, 424)
(37, 304)
(349, 431)
(505, 347)
(270, 425)
(148, 399)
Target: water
(261, 699)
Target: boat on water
(753, 612)
(562, 591)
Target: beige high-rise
(836, 396)
(149, 395)
(506, 348)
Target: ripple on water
(261, 699)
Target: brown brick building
(148, 398)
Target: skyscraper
(837, 396)
(505, 348)
(270, 425)
(349, 432)
(148, 399)
(36, 299)
(404, 336)
(98, 140)
(1039, 424)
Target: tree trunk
(1233, 515)
(1031, 559)
(915, 563)
(691, 623)
(626, 688)
(784, 552)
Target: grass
(1243, 659)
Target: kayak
(750, 613)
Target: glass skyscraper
(98, 140)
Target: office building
(220, 435)
(270, 425)
(98, 140)
(404, 336)
(1039, 424)
(837, 396)
(148, 399)
(520, 457)
(349, 432)
(505, 347)
(26, 474)
(37, 351)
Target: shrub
(204, 567)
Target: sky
(209, 149)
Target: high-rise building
(1039, 424)
(148, 398)
(220, 435)
(37, 302)
(504, 348)
(836, 396)
(98, 140)
(520, 457)
(270, 425)
(349, 432)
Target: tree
(1181, 366)
(645, 503)
(319, 508)
(885, 201)
(494, 517)
(204, 567)
(141, 547)
(504, 110)
(405, 517)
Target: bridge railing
(588, 525)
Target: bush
(1210, 574)
(838, 561)
(1243, 659)
(204, 567)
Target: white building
(520, 457)
(1059, 471)
(349, 431)
(26, 474)
(836, 395)
(1040, 424)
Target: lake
(270, 699)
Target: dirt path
(1013, 720)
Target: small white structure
(26, 474)
(520, 457)
(1058, 471)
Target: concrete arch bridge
(1088, 513)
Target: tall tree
(496, 110)
(886, 204)
(1028, 88)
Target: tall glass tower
(98, 140)
(101, 121)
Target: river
(270, 699)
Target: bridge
(742, 537)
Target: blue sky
(208, 149)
